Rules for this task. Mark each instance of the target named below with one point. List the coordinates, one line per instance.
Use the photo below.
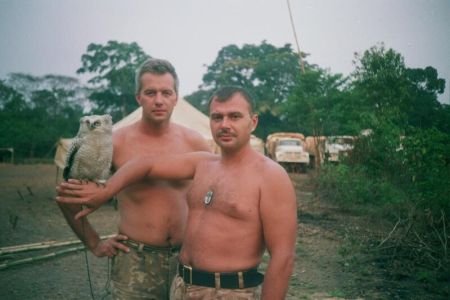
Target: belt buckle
(190, 273)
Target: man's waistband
(233, 280)
(149, 248)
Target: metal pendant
(208, 197)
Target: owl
(90, 154)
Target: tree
(385, 86)
(379, 80)
(317, 104)
(267, 72)
(38, 112)
(113, 68)
(423, 93)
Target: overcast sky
(49, 36)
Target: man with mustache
(240, 204)
(153, 212)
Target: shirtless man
(152, 212)
(240, 203)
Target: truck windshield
(289, 143)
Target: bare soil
(332, 257)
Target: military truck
(315, 146)
(288, 149)
(338, 146)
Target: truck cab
(288, 149)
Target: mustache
(223, 132)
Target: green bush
(349, 184)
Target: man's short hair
(225, 93)
(155, 66)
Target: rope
(295, 37)
(86, 259)
(108, 281)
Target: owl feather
(90, 154)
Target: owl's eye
(97, 123)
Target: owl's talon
(100, 184)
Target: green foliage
(403, 166)
(426, 161)
(316, 104)
(350, 185)
(387, 88)
(380, 74)
(32, 121)
(113, 68)
(200, 99)
(267, 72)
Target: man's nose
(225, 122)
(158, 98)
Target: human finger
(75, 181)
(120, 237)
(68, 192)
(71, 186)
(122, 247)
(70, 200)
(61, 192)
(117, 242)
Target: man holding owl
(240, 204)
(152, 212)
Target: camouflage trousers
(143, 273)
(181, 291)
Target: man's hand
(111, 246)
(89, 194)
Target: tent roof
(184, 114)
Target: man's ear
(255, 120)
(138, 99)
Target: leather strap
(233, 280)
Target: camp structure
(184, 114)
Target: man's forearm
(276, 279)
(131, 172)
(84, 232)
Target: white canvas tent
(184, 114)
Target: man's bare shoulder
(192, 137)
(271, 170)
(119, 135)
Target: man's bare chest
(225, 193)
(136, 148)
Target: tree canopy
(269, 73)
(112, 67)
(36, 111)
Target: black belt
(235, 280)
(144, 247)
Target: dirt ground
(330, 262)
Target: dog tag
(208, 198)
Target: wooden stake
(43, 245)
(39, 257)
